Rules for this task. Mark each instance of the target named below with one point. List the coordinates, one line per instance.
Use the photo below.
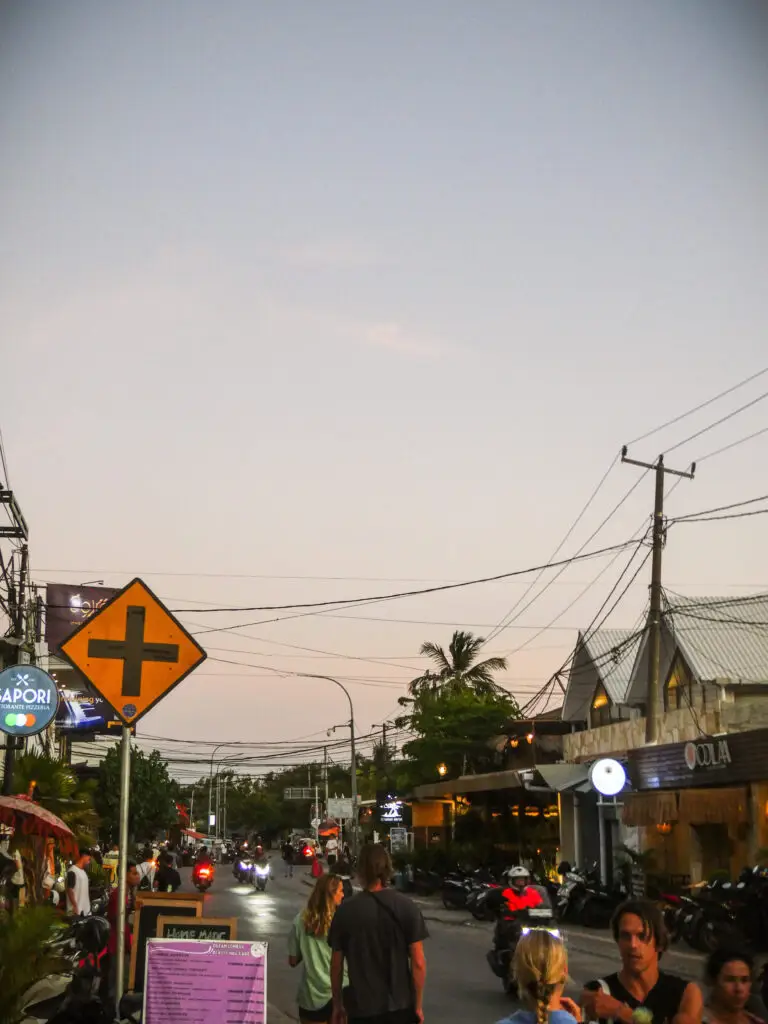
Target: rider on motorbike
(519, 893)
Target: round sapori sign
(689, 755)
(28, 700)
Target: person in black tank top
(638, 928)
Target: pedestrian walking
(78, 886)
(332, 851)
(641, 936)
(167, 878)
(308, 947)
(288, 858)
(541, 972)
(147, 869)
(379, 935)
(344, 872)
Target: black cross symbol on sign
(133, 651)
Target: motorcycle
(261, 873)
(242, 869)
(80, 992)
(480, 902)
(202, 876)
(456, 889)
(510, 926)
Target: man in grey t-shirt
(380, 935)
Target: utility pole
(224, 816)
(653, 688)
(325, 777)
(19, 629)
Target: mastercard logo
(13, 719)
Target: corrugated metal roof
(607, 656)
(613, 653)
(722, 637)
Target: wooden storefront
(702, 805)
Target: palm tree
(458, 670)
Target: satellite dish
(607, 776)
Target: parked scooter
(79, 994)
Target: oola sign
(28, 700)
(709, 754)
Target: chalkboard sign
(208, 929)
(149, 907)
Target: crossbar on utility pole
(652, 701)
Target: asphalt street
(460, 985)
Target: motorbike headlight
(262, 871)
(241, 866)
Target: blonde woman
(541, 970)
(308, 946)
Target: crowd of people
(363, 962)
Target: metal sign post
(122, 875)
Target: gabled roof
(605, 656)
(722, 637)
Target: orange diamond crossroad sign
(133, 651)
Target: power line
(698, 408)
(733, 444)
(717, 423)
(712, 519)
(554, 554)
(719, 508)
(318, 607)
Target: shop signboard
(81, 710)
(68, 607)
(28, 700)
(340, 807)
(205, 981)
(708, 761)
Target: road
(460, 986)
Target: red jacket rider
(519, 895)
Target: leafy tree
(58, 789)
(458, 670)
(153, 795)
(453, 727)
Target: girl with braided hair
(540, 969)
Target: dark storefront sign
(68, 607)
(83, 711)
(717, 761)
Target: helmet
(93, 934)
(518, 872)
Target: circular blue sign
(28, 700)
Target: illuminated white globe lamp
(607, 776)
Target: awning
(192, 834)
(559, 777)
(650, 808)
(714, 806)
(470, 784)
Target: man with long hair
(639, 932)
(379, 935)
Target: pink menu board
(189, 981)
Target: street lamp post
(353, 774)
(210, 788)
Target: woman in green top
(308, 945)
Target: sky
(302, 302)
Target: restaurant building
(698, 800)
